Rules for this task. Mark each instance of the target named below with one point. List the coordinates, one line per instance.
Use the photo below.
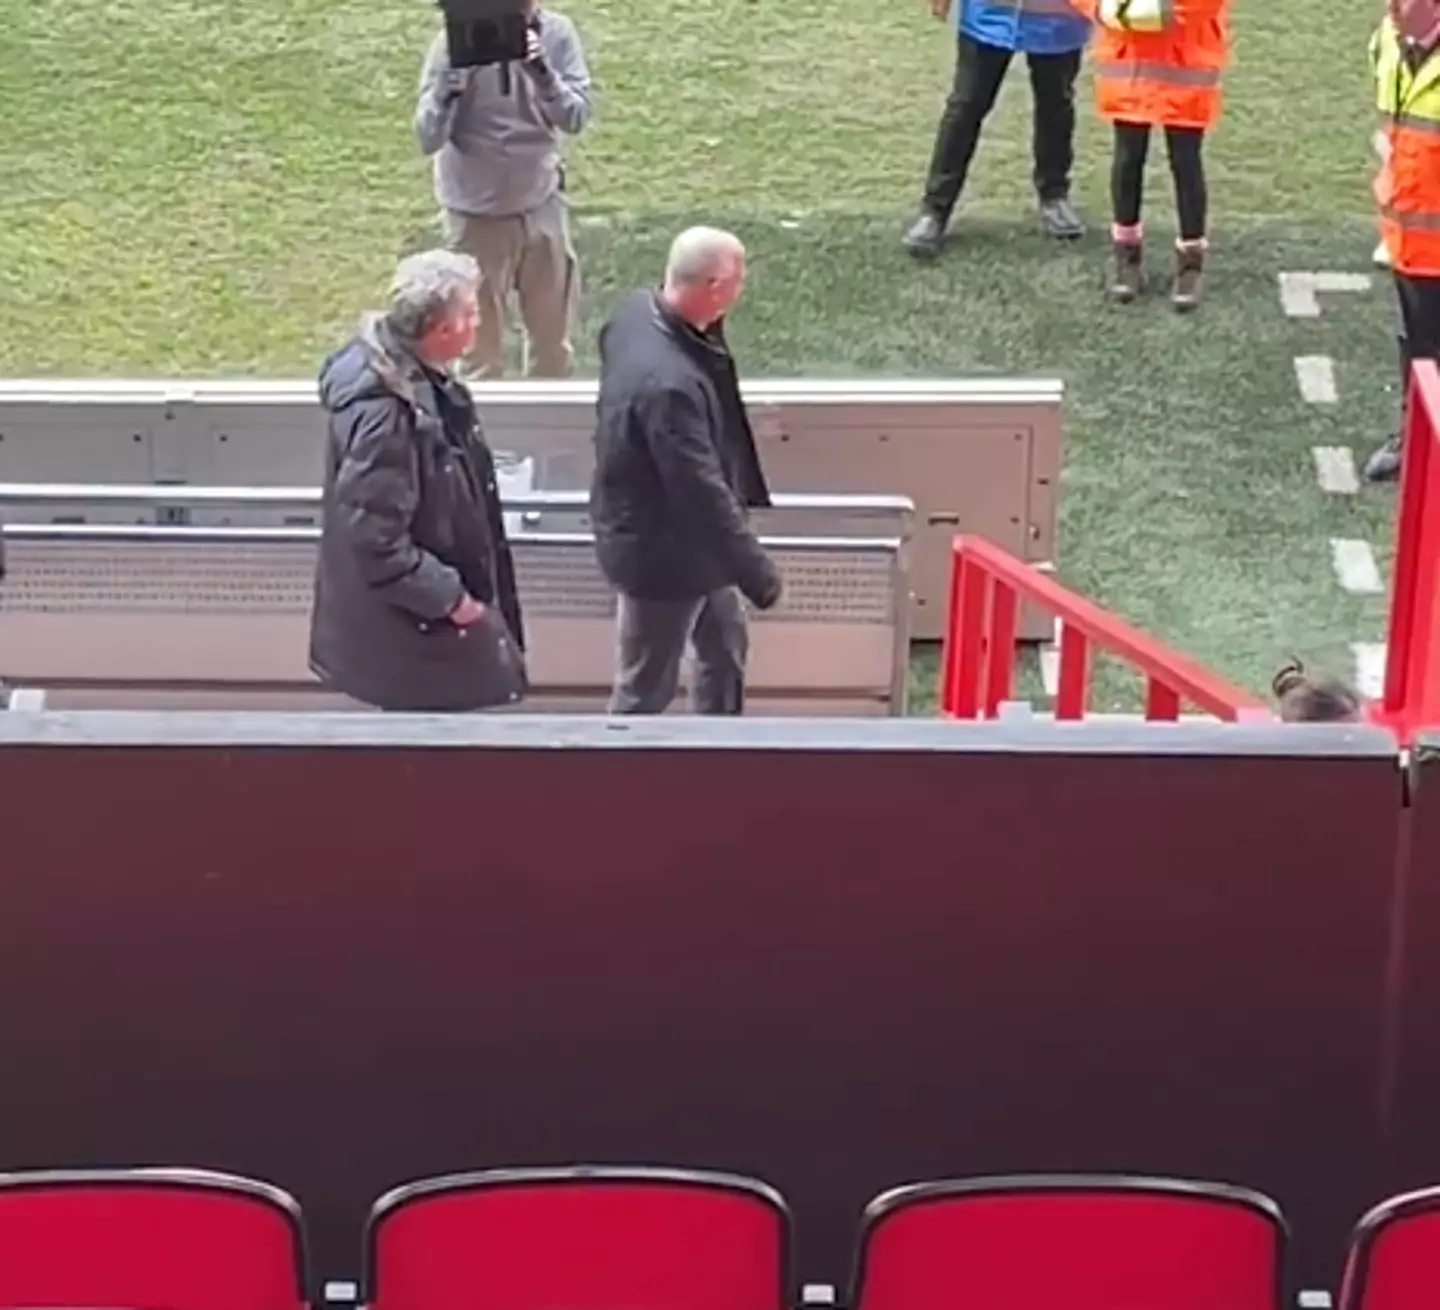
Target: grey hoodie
(497, 144)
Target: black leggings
(1127, 175)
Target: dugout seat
(1393, 1261)
(582, 1239)
(1081, 1242)
(149, 1239)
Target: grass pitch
(194, 187)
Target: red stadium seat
(1084, 1243)
(151, 1239)
(1394, 1258)
(579, 1239)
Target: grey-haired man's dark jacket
(411, 523)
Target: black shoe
(1061, 220)
(925, 237)
(1384, 463)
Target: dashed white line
(1316, 376)
(1355, 566)
(1369, 668)
(1335, 470)
(1050, 659)
(1050, 669)
(1297, 296)
(1340, 283)
(1299, 291)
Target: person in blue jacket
(990, 33)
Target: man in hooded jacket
(415, 601)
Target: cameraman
(495, 132)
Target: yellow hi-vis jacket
(1407, 188)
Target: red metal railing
(1412, 664)
(978, 668)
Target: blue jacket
(1029, 27)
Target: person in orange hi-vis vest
(1405, 60)
(1158, 64)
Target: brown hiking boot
(1128, 276)
(1189, 286)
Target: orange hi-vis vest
(1407, 188)
(1158, 62)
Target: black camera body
(484, 32)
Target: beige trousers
(530, 255)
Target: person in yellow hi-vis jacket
(1405, 56)
(1158, 64)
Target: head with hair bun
(1323, 700)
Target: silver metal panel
(1133, 737)
(266, 391)
(315, 700)
(975, 455)
(529, 511)
(80, 442)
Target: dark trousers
(1187, 167)
(1419, 299)
(652, 638)
(1419, 315)
(979, 70)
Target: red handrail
(1412, 664)
(978, 667)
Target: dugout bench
(214, 614)
(976, 456)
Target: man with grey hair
(676, 472)
(415, 601)
(495, 135)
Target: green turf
(216, 189)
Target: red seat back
(584, 1239)
(1080, 1243)
(1394, 1258)
(149, 1239)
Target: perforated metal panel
(108, 621)
(72, 577)
(561, 580)
(855, 585)
(852, 586)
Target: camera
(484, 32)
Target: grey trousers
(651, 643)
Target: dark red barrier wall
(839, 968)
(1412, 1100)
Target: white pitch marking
(1341, 283)
(1369, 668)
(1335, 470)
(1299, 292)
(1050, 663)
(1355, 566)
(1297, 296)
(1050, 670)
(1316, 376)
